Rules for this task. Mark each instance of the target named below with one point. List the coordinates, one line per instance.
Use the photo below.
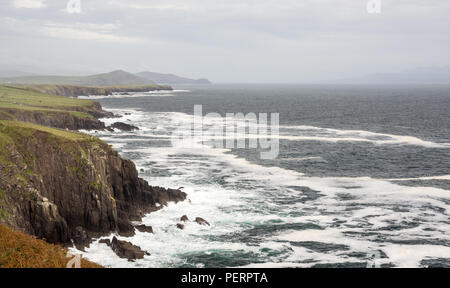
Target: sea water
(362, 178)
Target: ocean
(362, 177)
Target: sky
(226, 41)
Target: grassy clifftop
(24, 104)
(18, 250)
(25, 99)
(74, 91)
(23, 96)
(7, 128)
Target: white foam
(441, 177)
(157, 93)
(336, 135)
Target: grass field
(24, 97)
(27, 100)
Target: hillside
(114, 78)
(18, 250)
(171, 78)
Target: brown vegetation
(18, 250)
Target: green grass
(21, 97)
(5, 142)
(24, 129)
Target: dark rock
(144, 228)
(201, 221)
(80, 238)
(142, 170)
(180, 226)
(124, 126)
(78, 190)
(126, 250)
(105, 241)
(61, 119)
(184, 218)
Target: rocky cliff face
(68, 187)
(57, 119)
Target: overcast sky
(225, 40)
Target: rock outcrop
(57, 119)
(105, 241)
(65, 186)
(123, 126)
(202, 221)
(144, 228)
(126, 250)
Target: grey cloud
(231, 41)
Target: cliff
(75, 91)
(66, 186)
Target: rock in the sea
(124, 126)
(201, 221)
(184, 218)
(80, 238)
(144, 228)
(180, 226)
(126, 250)
(105, 241)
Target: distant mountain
(114, 78)
(426, 75)
(14, 73)
(170, 78)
